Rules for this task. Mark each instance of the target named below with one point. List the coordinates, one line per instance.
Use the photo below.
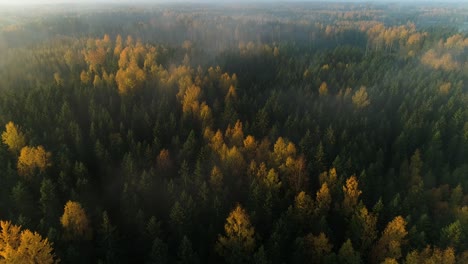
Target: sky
(29, 2)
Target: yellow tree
(360, 98)
(235, 135)
(351, 194)
(32, 159)
(13, 137)
(190, 101)
(206, 115)
(296, 173)
(75, 222)
(164, 162)
(282, 150)
(239, 242)
(234, 161)
(323, 200)
(129, 76)
(303, 207)
(84, 77)
(431, 255)
(389, 244)
(18, 246)
(250, 147)
(323, 89)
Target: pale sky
(28, 2)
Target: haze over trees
(249, 133)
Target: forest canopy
(222, 133)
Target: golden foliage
(330, 177)
(58, 79)
(235, 135)
(323, 200)
(32, 159)
(304, 206)
(217, 142)
(18, 246)
(360, 98)
(437, 61)
(97, 81)
(75, 222)
(351, 194)
(323, 89)
(276, 52)
(13, 137)
(234, 161)
(389, 244)
(239, 234)
(164, 161)
(190, 102)
(206, 115)
(296, 172)
(84, 77)
(231, 94)
(272, 181)
(118, 45)
(390, 261)
(431, 255)
(445, 87)
(130, 78)
(282, 150)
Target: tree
(452, 235)
(360, 98)
(159, 252)
(32, 159)
(190, 101)
(389, 244)
(296, 172)
(238, 243)
(23, 246)
(323, 89)
(303, 207)
(48, 201)
(282, 150)
(415, 169)
(347, 254)
(108, 240)
(164, 162)
(322, 201)
(13, 137)
(216, 179)
(130, 76)
(363, 229)
(431, 255)
(351, 194)
(235, 135)
(75, 222)
(186, 255)
(317, 247)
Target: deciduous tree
(238, 243)
(75, 222)
(13, 137)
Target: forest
(265, 133)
